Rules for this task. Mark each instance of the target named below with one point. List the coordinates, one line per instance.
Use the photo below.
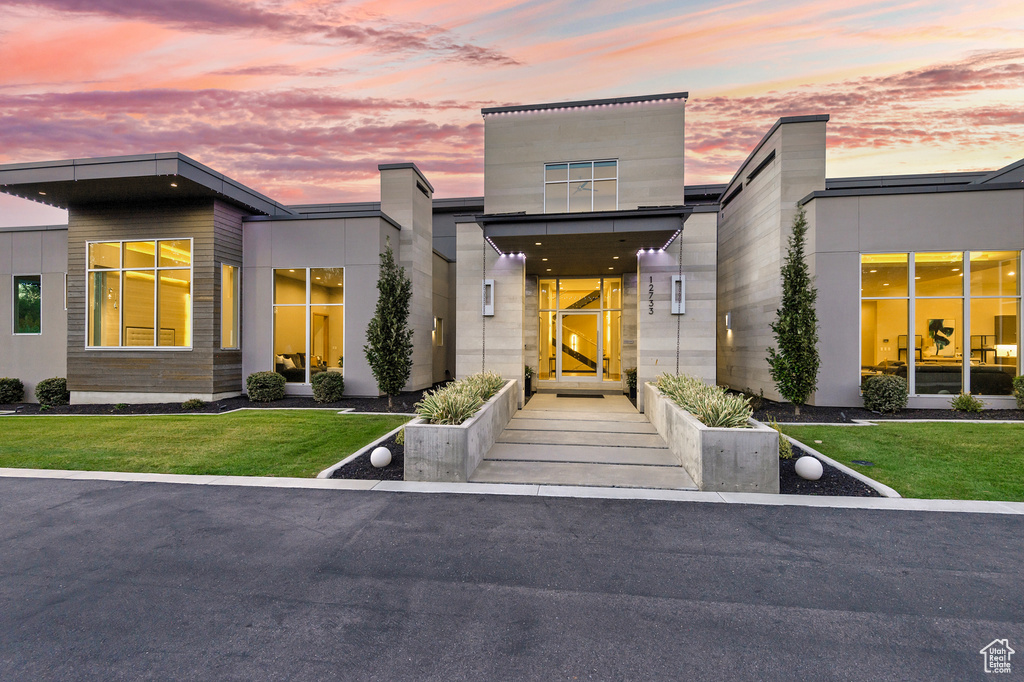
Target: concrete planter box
(717, 459)
(435, 452)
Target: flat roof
(585, 103)
(140, 177)
(913, 189)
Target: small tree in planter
(388, 337)
(794, 366)
(528, 378)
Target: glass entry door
(580, 354)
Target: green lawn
(245, 443)
(930, 460)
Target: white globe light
(381, 457)
(809, 468)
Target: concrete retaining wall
(718, 459)
(435, 452)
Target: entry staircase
(582, 440)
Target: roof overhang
(578, 244)
(140, 178)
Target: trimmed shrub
(328, 387)
(264, 387)
(400, 437)
(711, 405)
(965, 402)
(785, 447)
(1018, 391)
(451, 404)
(631, 377)
(53, 391)
(11, 390)
(885, 393)
(486, 384)
(193, 404)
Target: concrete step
(590, 416)
(560, 473)
(628, 440)
(581, 454)
(521, 423)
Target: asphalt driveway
(108, 580)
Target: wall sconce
(678, 294)
(488, 298)
(728, 321)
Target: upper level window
(580, 186)
(27, 308)
(139, 294)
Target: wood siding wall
(215, 229)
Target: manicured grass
(245, 443)
(938, 461)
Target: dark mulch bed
(403, 403)
(784, 412)
(362, 469)
(833, 482)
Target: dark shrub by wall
(328, 387)
(53, 391)
(11, 390)
(886, 393)
(264, 387)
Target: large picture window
(964, 312)
(27, 304)
(578, 186)
(139, 294)
(309, 322)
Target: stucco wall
(658, 330)
(492, 343)
(444, 308)
(753, 232)
(647, 139)
(33, 357)
(352, 243)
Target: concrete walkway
(582, 441)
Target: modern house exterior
(587, 255)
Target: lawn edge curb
(881, 488)
(329, 471)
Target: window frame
(568, 181)
(237, 306)
(307, 306)
(14, 305)
(156, 269)
(965, 299)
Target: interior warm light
(174, 184)
(956, 269)
(536, 243)
(886, 284)
(188, 319)
(291, 271)
(872, 270)
(549, 269)
(617, 258)
(43, 193)
(1012, 273)
(543, 258)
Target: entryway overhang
(583, 244)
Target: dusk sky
(301, 100)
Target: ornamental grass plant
(711, 405)
(456, 402)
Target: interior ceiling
(575, 255)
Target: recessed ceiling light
(319, 278)
(543, 258)
(918, 277)
(43, 193)
(956, 269)
(872, 270)
(536, 243)
(174, 184)
(1012, 273)
(884, 285)
(291, 271)
(615, 258)
(611, 268)
(549, 269)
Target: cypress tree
(794, 366)
(388, 346)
